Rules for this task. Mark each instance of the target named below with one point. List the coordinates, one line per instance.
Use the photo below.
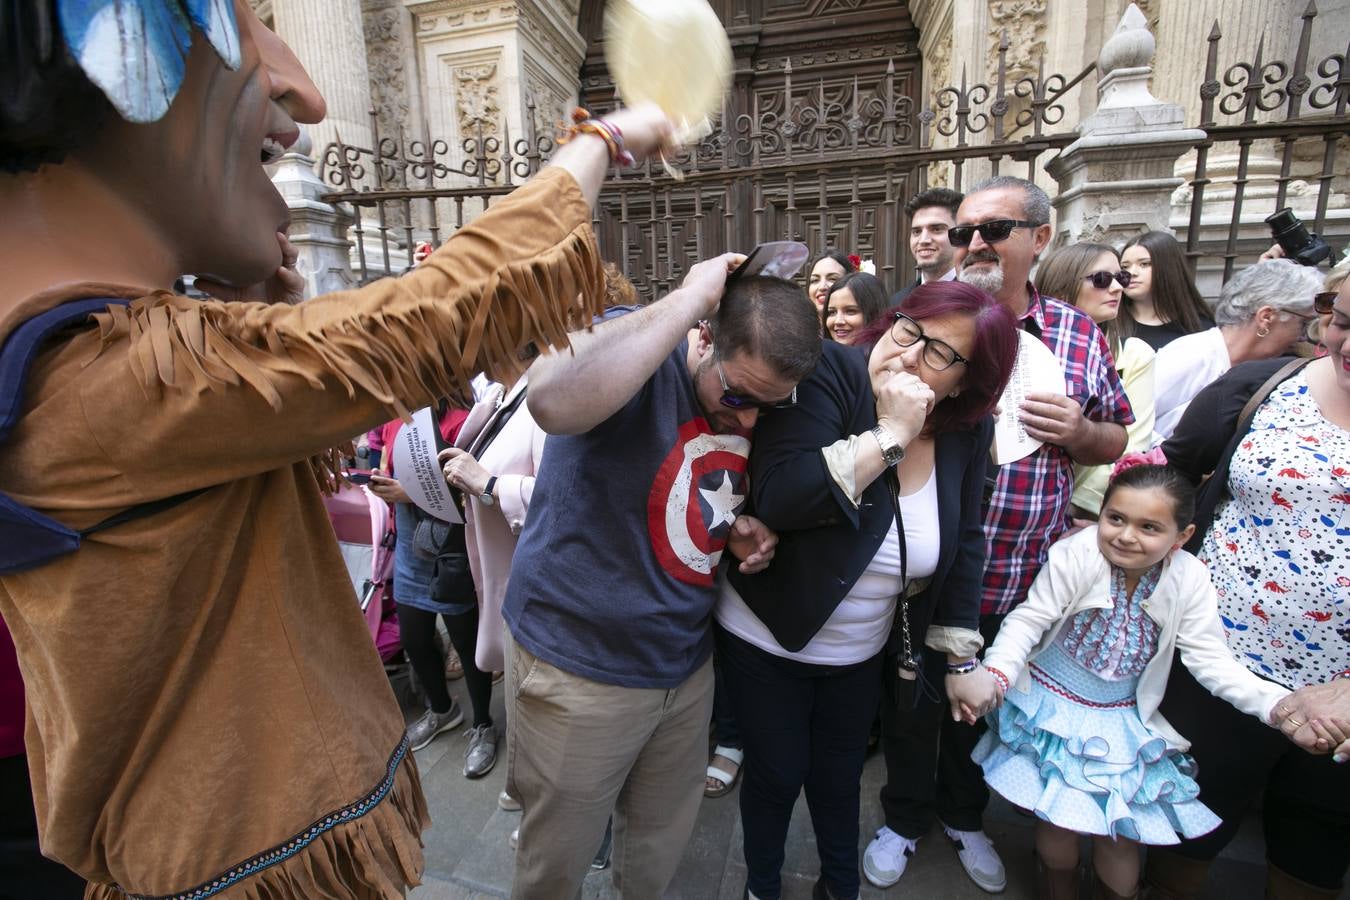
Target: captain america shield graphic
(698, 492)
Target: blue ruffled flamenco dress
(1074, 750)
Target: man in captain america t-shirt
(639, 491)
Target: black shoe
(601, 860)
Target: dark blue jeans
(803, 726)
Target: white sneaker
(506, 802)
(886, 857)
(979, 859)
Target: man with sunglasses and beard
(609, 606)
(1002, 226)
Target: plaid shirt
(1030, 503)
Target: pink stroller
(365, 532)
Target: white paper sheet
(1037, 371)
(418, 470)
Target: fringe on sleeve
(401, 346)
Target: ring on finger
(1295, 722)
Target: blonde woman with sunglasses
(1090, 277)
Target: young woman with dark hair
(826, 269)
(1161, 302)
(901, 422)
(854, 302)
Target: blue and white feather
(136, 50)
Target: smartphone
(358, 477)
(777, 259)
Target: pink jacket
(491, 532)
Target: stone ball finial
(1130, 47)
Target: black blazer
(824, 543)
(899, 296)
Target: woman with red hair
(873, 481)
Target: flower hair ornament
(855, 261)
(1154, 457)
(136, 50)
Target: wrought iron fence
(1312, 112)
(828, 160)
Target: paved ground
(468, 855)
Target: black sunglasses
(740, 402)
(992, 232)
(937, 354)
(1323, 302)
(1102, 280)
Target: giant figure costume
(207, 714)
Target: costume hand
(753, 543)
(1316, 717)
(973, 695)
(708, 279)
(903, 402)
(646, 130)
(285, 286)
(1052, 418)
(461, 470)
(388, 489)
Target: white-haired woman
(1261, 313)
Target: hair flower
(1154, 457)
(855, 261)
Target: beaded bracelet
(963, 668)
(1000, 678)
(607, 131)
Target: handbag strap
(498, 422)
(909, 659)
(1286, 371)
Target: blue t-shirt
(613, 577)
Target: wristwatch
(891, 451)
(486, 497)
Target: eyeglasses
(1323, 302)
(937, 354)
(1102, 280)
(741, 402)
(1305, 322)
(992, 232)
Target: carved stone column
(1117, 178)
(318, 230)
(485, 61)
(329, 39)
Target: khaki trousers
(577, 750)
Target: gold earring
(1262, 331)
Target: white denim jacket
(1077, 577)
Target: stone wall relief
(1024, 22)
(477, 101)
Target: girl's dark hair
(47, 106)
(992, 353)
(1165, 478)
(1175, 298)
(835, 255)
(867, 289)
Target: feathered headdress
(136, 50)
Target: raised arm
(573, 391)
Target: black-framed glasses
(740, 402)
(937, 354)
(1102, 280)
(1323, 302)
(992, 232)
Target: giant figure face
(197, 172)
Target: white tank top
(860, 624)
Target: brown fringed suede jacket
(207, 713)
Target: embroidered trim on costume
(284, 851)
(1040, 676)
